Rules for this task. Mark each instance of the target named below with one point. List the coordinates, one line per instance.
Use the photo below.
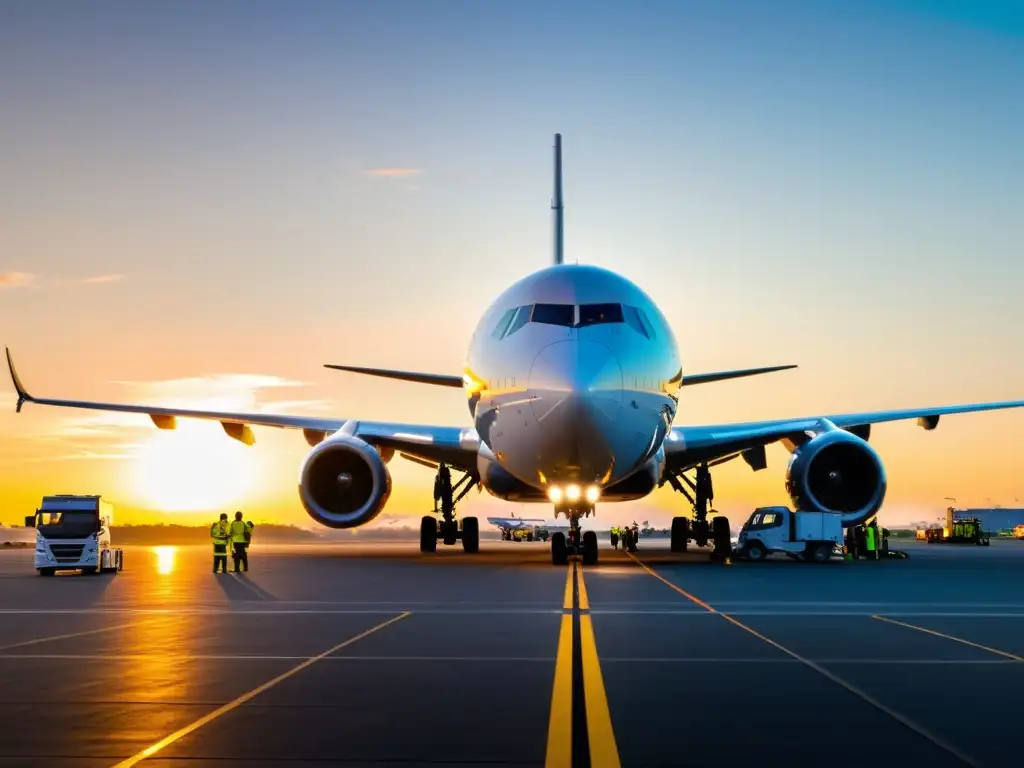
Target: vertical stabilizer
(556, 203)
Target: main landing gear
(447, 529)
(583, 543)
(702, 532)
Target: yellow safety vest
(238, 532)
(869, 537)
(219, 533)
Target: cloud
(393, 171)
(100, 279)
(16, 279)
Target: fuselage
(573, 377)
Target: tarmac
(373, 654)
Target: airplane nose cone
(575, 382)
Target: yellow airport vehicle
(965, 531)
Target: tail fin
(556, 204)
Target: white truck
(73, 534)
(807, 536)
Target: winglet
(23, 396)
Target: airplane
(572, 379)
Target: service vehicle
(962, 531)
(73, 534)
(807, 536)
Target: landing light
(593, 492)
(572, 493)
(555, 494)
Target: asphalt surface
(376, 655)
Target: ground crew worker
(636, 535)
(220, 533)
(615, 537)
(238, 544)
(869, 540)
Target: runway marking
(604, 751)
(559, 751)
(239, 701)
(177, 658)
(849, 687)
(70, 635)
(582, 589)
(954, 638)
(570, 574)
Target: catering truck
(807, 536)
(73, 534)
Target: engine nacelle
(343, 482)
(839, 472)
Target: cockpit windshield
(573, 316)
(67, 525)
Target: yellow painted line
(849, 687)
(70, 635)
(582, 588)
(604, 752)
(559, 754)
(236, 703)
(954, 638)
(570, 572)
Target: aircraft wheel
(559, 552)
(428, 534)
(722, 536)
(680, 534)
(449, 533)
(589, 548)
(470, 535)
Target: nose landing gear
(447, 528)
(700, 530)
(582, 543)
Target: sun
(193, 468)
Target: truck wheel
(755, 551)
(821, 553)
(46, 571)
(680, 534)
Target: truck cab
(73, 533)
(807, 536)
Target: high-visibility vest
(869, 536)
(238, 532)
(219, 533)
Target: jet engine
(343, 482)
(836, 471)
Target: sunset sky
(202, 203)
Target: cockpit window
(595, 314)
(522, 318)
(633, 320)
(554, 314)
(503, 324)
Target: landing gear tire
(589, 548)
(680, 534)
(755, 551)
(559, 552)
(470, 535)
(722, 536)
(700, 533)
(428, 534)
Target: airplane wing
(687, 447)
(453, 445)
